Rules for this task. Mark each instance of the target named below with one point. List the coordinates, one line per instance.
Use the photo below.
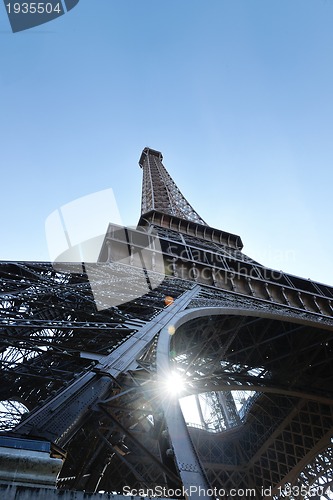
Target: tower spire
(159, 191)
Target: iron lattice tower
(159, 191)
(87, 350)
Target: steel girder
(285, 359)
(159, 191)
(287, 424)
(254, 346)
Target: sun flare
(175, 384)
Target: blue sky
(236, 94)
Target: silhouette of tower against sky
(176, 365)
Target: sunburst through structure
(175, 360)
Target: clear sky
(237, 94)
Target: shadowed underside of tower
(89, 351)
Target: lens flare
(175, 384)
(168, 300)
(171, 329)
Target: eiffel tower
(88, 352)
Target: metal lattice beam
(81, 366)
(159, 191)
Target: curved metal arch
(199, 312)
(263, 389)
(193, 473)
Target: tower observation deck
(88, 356)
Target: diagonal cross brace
(61, 417)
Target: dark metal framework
(159, 191)
(254, 347)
